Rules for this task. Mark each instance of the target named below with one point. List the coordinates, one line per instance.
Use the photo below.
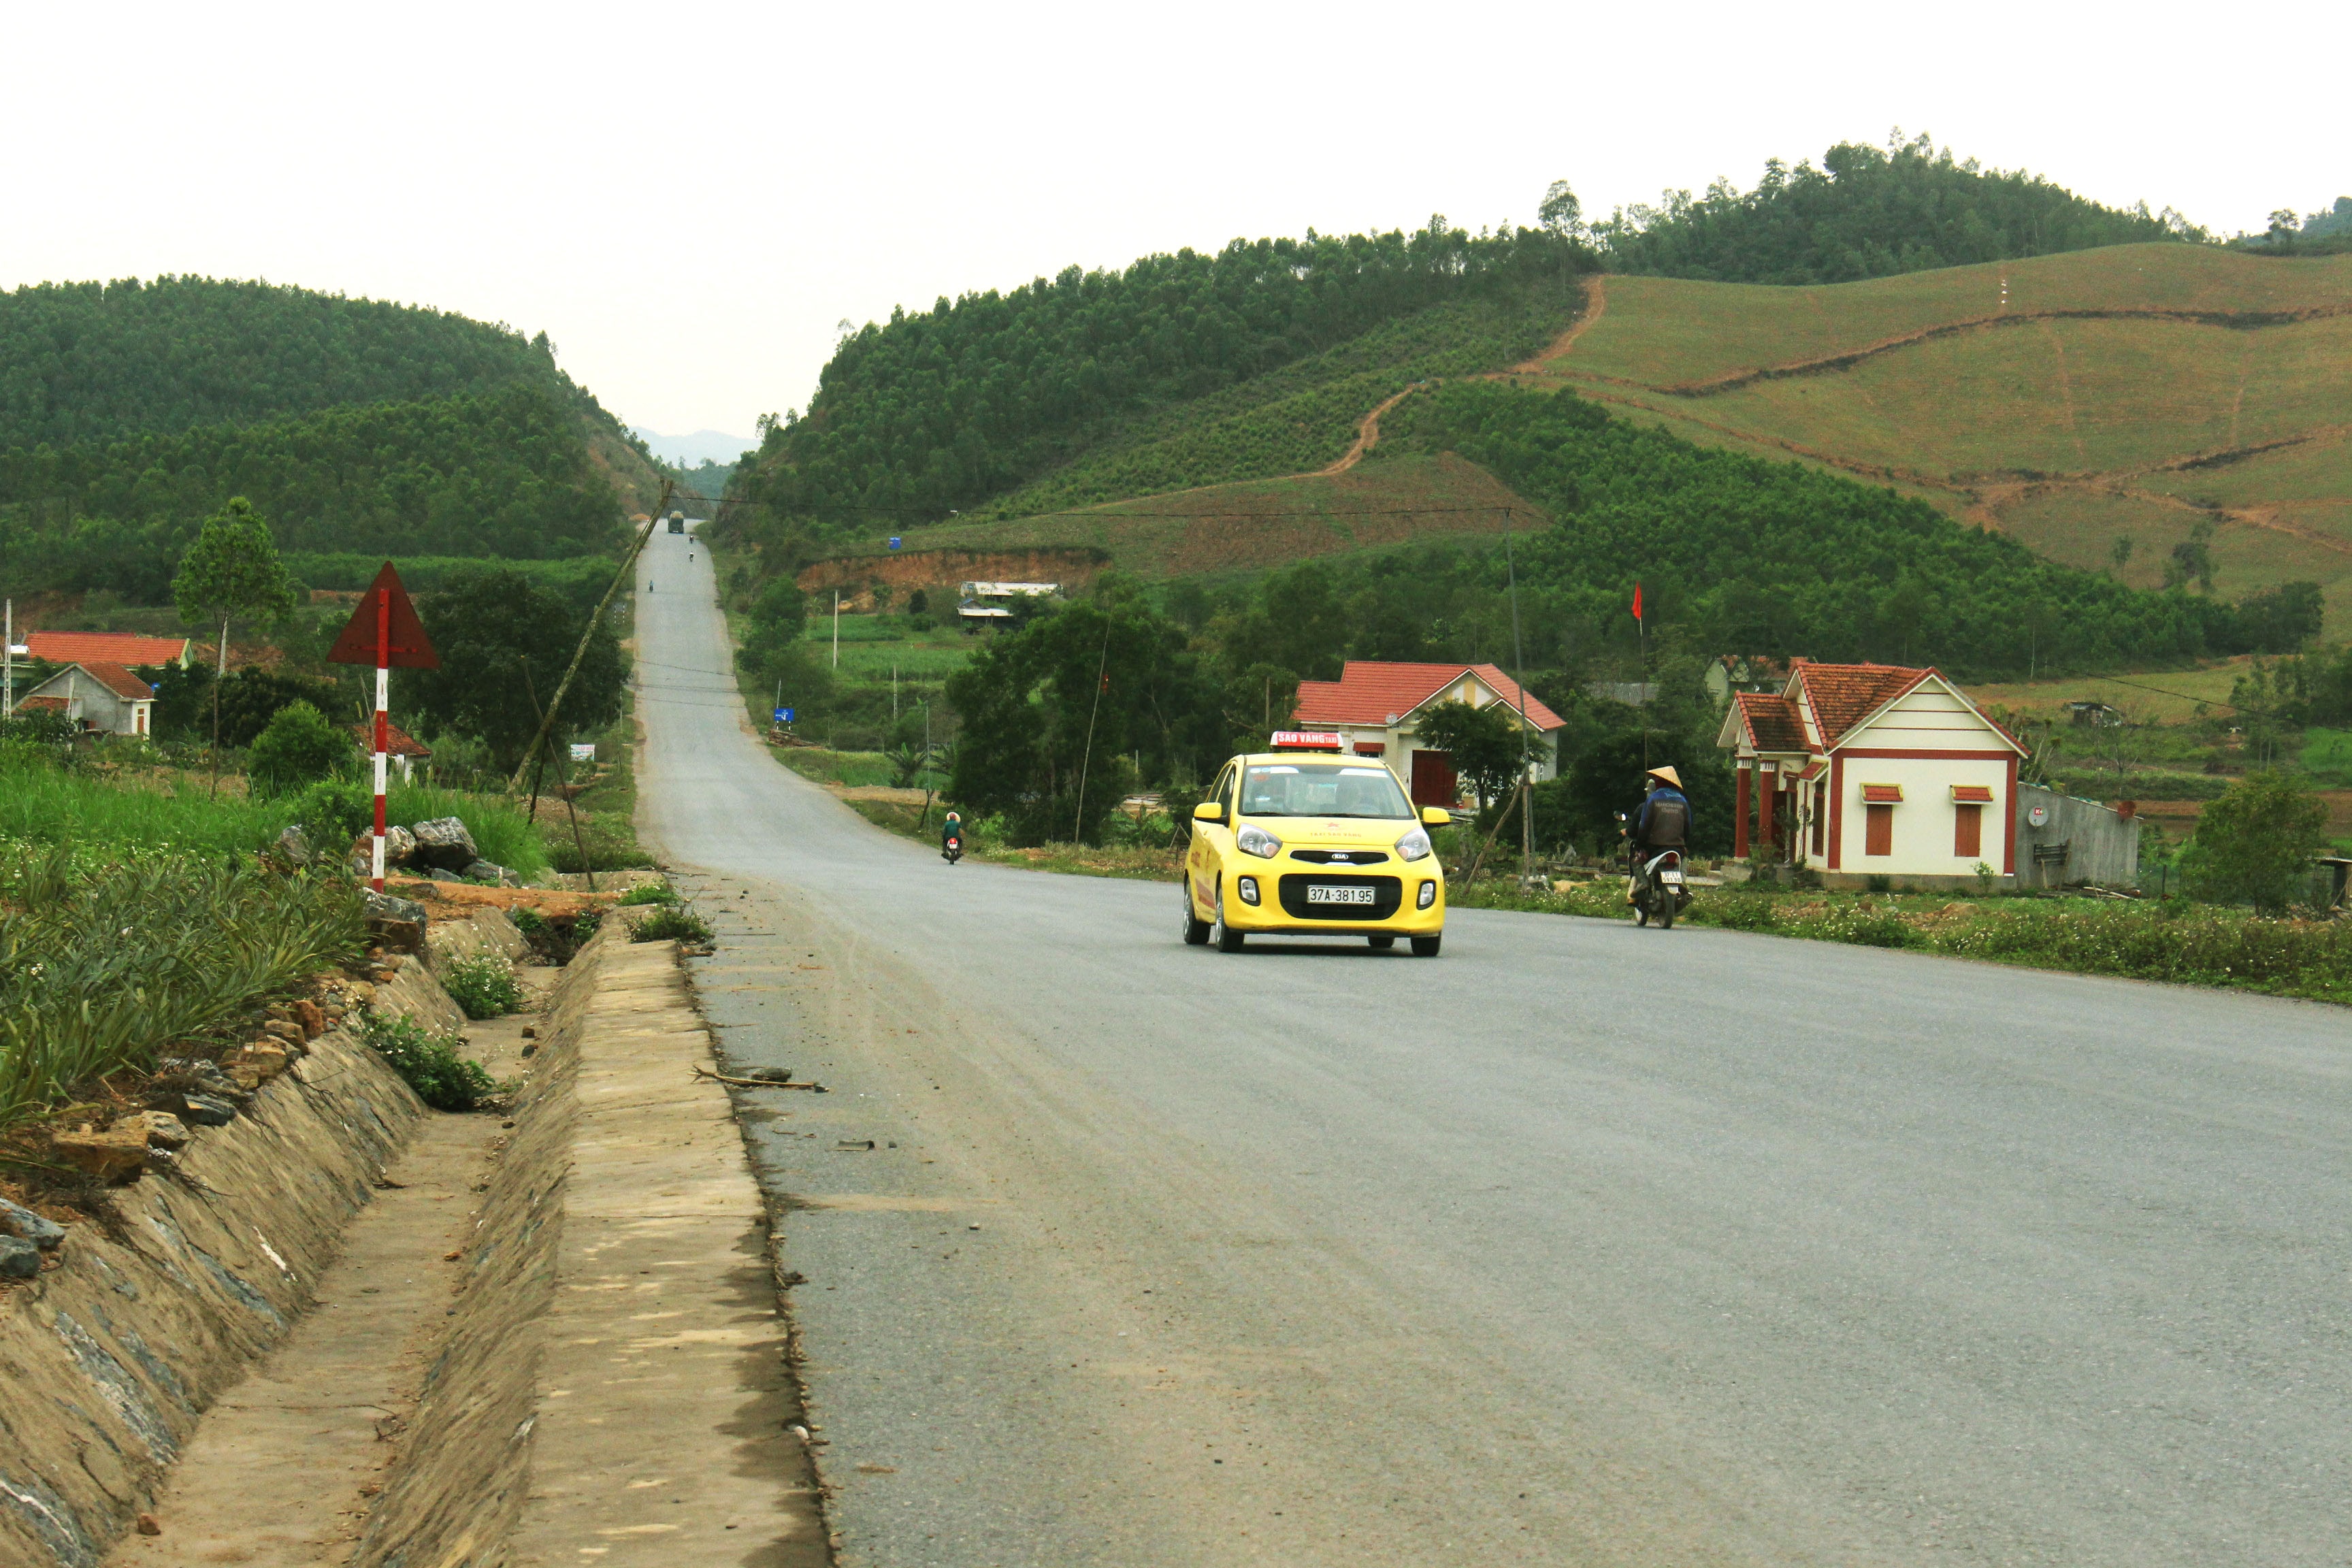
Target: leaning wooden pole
(555, 704)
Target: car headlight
(1413, 846)
(1257, 841)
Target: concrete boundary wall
(108, 1360)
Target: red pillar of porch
(1770, 790)
(1739, 832)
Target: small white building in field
(1872, 770)
(106, 697)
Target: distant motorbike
(1661, 891)
(952, 848)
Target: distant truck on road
(678, 522)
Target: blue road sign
(894, 541)
(783, 715)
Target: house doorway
(1434, 781)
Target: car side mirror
(1209, 811)
(1436, 816)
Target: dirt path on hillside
(1367, 436)
(1596, 302)
(1368, 432)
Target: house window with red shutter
(1878, 803)
(1968, 801)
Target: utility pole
(836, 628)
(1519, 674)
(555, 703)
(8, 663)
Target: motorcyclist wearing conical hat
(1663, 822)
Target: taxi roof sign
(1306, 741)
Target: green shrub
(671, 922)
(429, 1063)
(483, 985)
(297, 747)
(334, 812)
(650, 893)
(2254, 845)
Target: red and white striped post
(382, 725)
(398, 637)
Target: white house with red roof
(1377, 707)
(105, 697)
(1868, 770)
(122, 648)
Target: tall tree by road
(504, 641)
(231, 571)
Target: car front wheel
(1426, 946)
(1196, 930)
(1228, 939)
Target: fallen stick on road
(761, 1082)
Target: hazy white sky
(686, 198)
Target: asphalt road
(1579, 1245)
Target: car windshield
(1310, 789)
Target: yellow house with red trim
(1856, 771)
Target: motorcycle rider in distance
(952, 835)
(1663, 822)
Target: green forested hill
(1867, 213)
(503, 473)
(944, 409)
(93, 361)
(130, 410)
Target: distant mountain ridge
(714, 447)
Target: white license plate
(1321, 895)
(1671, 879)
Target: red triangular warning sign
(385, 630)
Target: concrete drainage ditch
(353, 1331)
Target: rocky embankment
(190, 1246)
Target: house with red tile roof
(1376, 707)
(1873, 770)
(121, 648)
(104, 698)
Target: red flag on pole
(1637, 601)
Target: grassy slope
(2063, 431)
(1257, 523)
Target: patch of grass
(2328, 756)
(108, 955)
(649, 893)
(44, 803)
(429, 1063)
(671, 922)
(2164, 940)
(482, 986)
(855, 770)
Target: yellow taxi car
(1303, 841)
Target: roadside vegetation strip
(104, 963)
(2167, 940)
